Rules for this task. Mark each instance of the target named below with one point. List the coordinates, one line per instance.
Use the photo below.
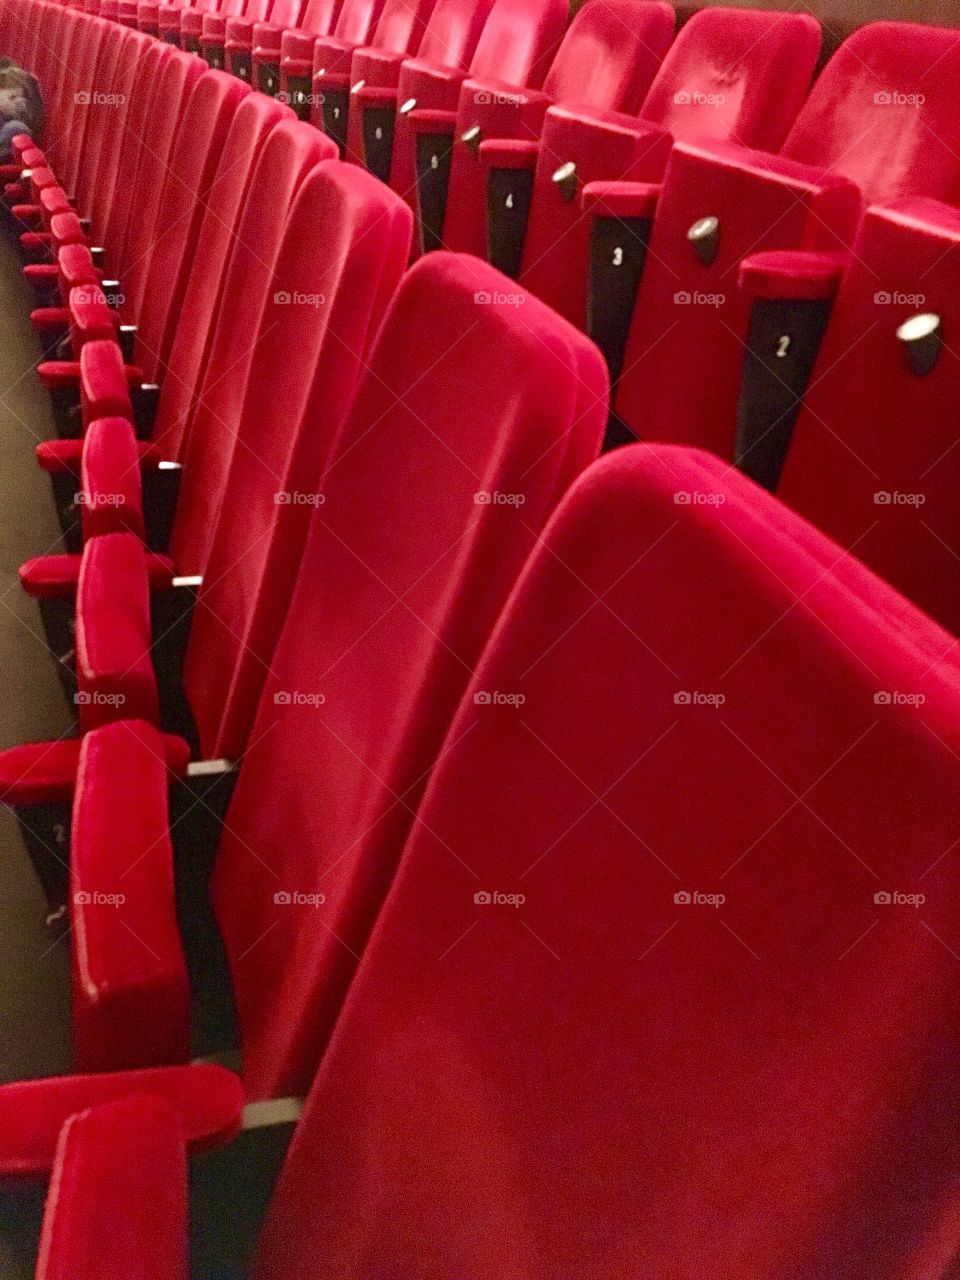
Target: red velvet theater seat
(401, 617)
(606, 61)
(186, 333)
(330, 66)
(518, 44)
(213, 27)
(125, 184)
(180, 25)
(153, 262)
(450, 38)
(342, 255)
(751, 998)
(880, 118)
(204, 391)
(873, 457)
(730, 74)
(240, 35)
(295, 63)
(316, 17)
(105, 107)
(400, 28)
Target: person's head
(19, 97)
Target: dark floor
(34, 1005)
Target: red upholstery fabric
(902, 137)
(347, 243)
(236, 177)
(621, 199)
(166, 270)
(763, 203)
(287, 156)
(516, 47)
(730, 74)
(114, 636)
(208, 1100)
(344, 772)
(296, 47)
(403, 28)
(105, 382)
(873, 457)
(607, 60)
(556, 928)
(793, 273)
(50, 577)
(131, 994)
(111, 494)
(131, 1153)
(881, 117)
(46, 772)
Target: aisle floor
(34, 995)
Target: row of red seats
(595, 213)
(453, 684)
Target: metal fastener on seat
(355, 88)
(922, 339)
(408, 106)
(472, 138)
(704, 235)
(566, 179)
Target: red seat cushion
(123, 1216)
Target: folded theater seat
(870, 453)
(179, 297)
(880, 120)
(204, 392)
(447, 45)
(788, 943)
(151, 265)
(121, 184)
(90, 153)
(607, 60)
(519, 41)
(239, 36)
(430, 593)
(180, 25)
(322, 65)
(72, 173)
(285, 58)
(213, 33)
(730, 74)
(403, 29)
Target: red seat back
(255, 119)
(345, 247)
(730, 74)
(653, 925)
(610, 54)
(883, 113)
(733, 74)
(520, 38)
(474, 417)
(204, 441)
(163, 271)
(874, 459)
